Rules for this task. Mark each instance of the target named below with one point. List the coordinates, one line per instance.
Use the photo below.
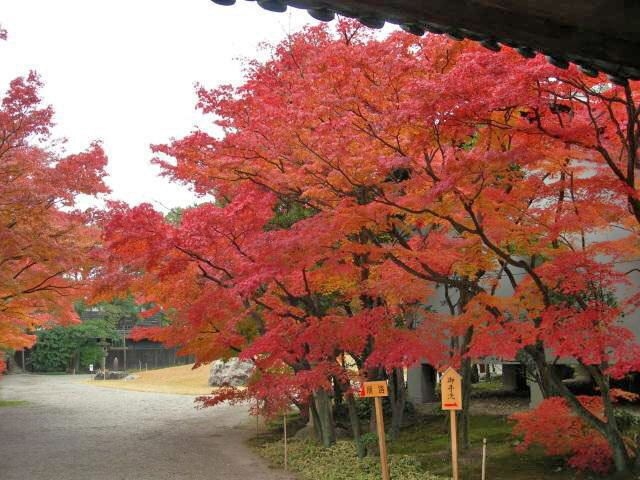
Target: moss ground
(428, 442)
(12, 403)
(421, 452)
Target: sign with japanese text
(451, 390)
(374, 389)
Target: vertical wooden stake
(257, 418)
(285, 442)
(381, 439)
(454, 444)
(484, 458)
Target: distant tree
(64, 348)
(112, 311)
(174, 216)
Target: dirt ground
(70, 430)
(182, 379)
(484, 406)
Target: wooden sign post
(377, 390)
(451, 394)
(484, 459)
(285, 441)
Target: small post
(484, 458)
(454, 444)
(257, 418)
(382, 442)
(146, 367)
(285, 441)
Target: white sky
(122, 71)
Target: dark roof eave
(598, 36)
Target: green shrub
(628, 422)
(369, 440)
(57, 348)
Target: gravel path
(70, 430)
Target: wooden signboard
(374, 389)
(451, 385)
(377, 390)
(451, 393)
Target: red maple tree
(355, 177)
(45, 240)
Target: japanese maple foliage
(281, 297)
(46, 242)
(553, 426)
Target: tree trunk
(325, 417)
(546, 389)
(304, 409)
(464, 415)
(608, 428)
(338, 396)
(316, 419)
(355, 425)
(467, 379)
(398, 398)
(373, 374)
(372, 448)
(621, 458)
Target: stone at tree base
(110, 376)
(309, 433)
(306, 433)
(233, 373)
